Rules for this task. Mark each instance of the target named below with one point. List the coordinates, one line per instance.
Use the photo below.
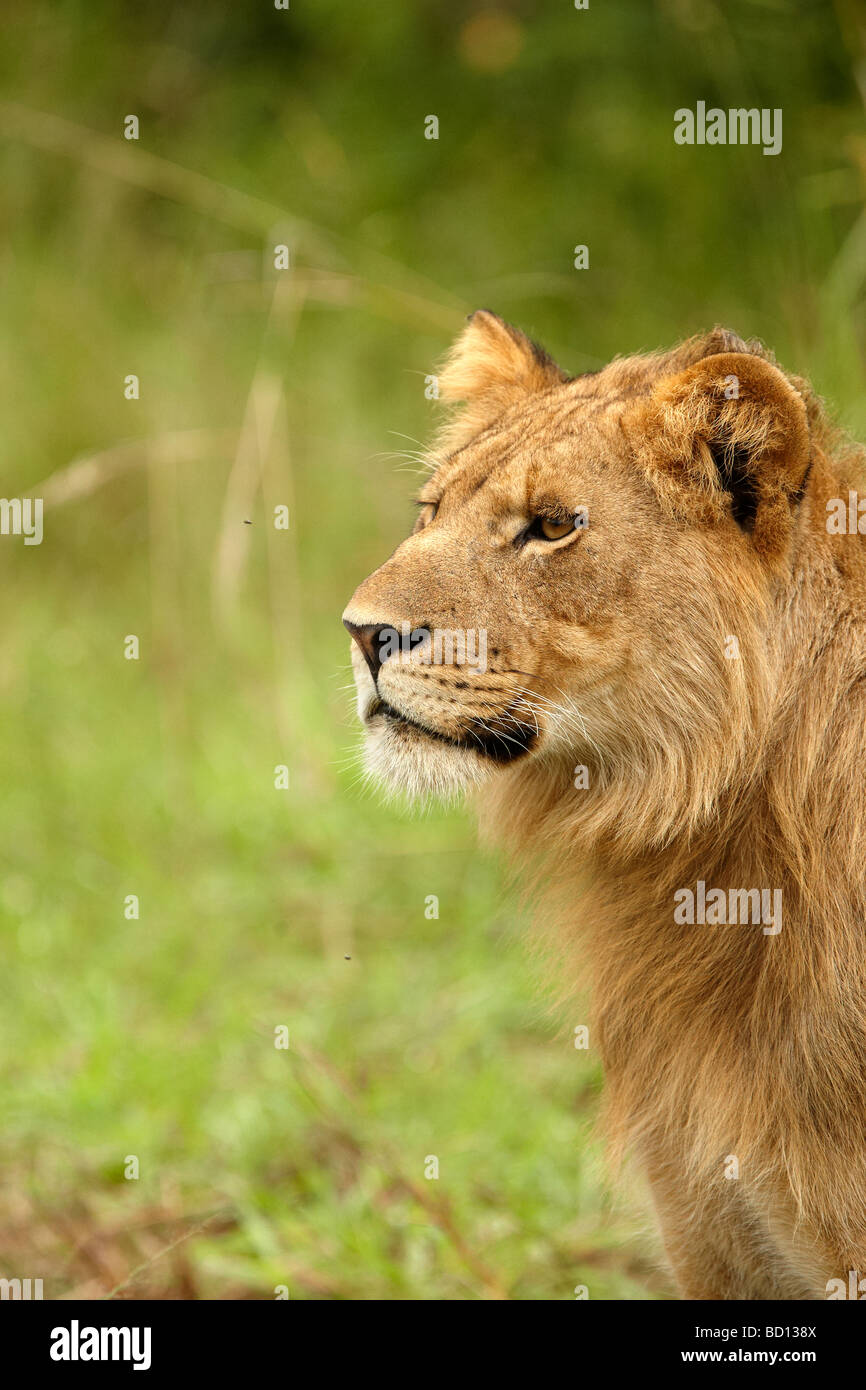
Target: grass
(261, 1168)
(155, 1036)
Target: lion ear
(730, 434)
(490, 367)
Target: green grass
(154, 1037)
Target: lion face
(580, 561)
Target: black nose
(369, 638)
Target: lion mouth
(496, 745)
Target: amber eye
(555, 530)
(425, 516)
(546, 528)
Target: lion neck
(690, 1015)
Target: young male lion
(664, 559)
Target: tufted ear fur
(490, 367)
(729, 435)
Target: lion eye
(425, 516)
(555, 530)
(546, 528)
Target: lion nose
(369, 638)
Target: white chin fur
(404, 762)
(419, 767)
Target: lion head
(586, 591)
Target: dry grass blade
(224, 1213)
(140, 168)
(85, 476)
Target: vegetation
(260, 907)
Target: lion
(667, 731)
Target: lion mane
(700, 653)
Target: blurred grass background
(154, 1037)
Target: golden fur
(699, 649)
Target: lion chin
(411, 763)
(407, 763)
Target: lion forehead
(561, 440)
